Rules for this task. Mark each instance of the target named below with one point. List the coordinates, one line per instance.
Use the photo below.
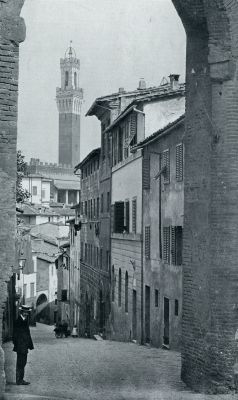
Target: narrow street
(88, 369)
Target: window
(179, 162)
(75, 80)
(32, 289)
(176, 244)
(126, 292)
(34, 190)
(66, 79)
(94, 208)
(97, 257)
(119, 217)
(119, 288)
(61, 196)
(91, 208)
(64, 295)
(102, 206)
(113, 283)
(108, 201)
(166, 244)
(156, 298)
(81, 250)
(176, 307)
(43, 193)
(72, 196)
(166, 165)
(147, 242)
(134, 215)
(89, 216)
(97, 207)
(85, 208)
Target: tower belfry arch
(69, 100)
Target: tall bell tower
(69, 100)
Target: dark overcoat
(21, 336)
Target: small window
(66, 79)
(156, 298)
(34, 190)
(176, 244)
(147, 242)
(75, 80)
(179, 162)
(127, 216)
(176, 307)
(43, 193)
(166, 165)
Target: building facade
(163, 214)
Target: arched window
(113, 283)
(126, 292)
(66, 81)
(75, 80)
(119, 288)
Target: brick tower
(69, 99)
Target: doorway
(134, 316)
(147, 314)
(166, 321)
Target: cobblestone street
(87, 369)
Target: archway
(42, 310)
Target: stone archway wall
(12, 32)
(210, 295)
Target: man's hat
(25, 308)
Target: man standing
(22, 342)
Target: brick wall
(12, 32)
(210, 312)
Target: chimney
(174, 81)
(121, 90)
(142, 84)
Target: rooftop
(93, 153)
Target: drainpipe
(142, 255)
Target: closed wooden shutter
(166, 164)
(127, 216)
(146, 173)
(112, 218)
(134, 212)
(173, 244)
(147, 242)
(166, 244)
(133, 129)
(179, 162)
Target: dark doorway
(166, 321)
(147, 314)
(134, 316)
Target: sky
(117, 41)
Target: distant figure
(22, 343)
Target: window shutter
(179, 162)
(146, 173)
(112, 218)
(133, 129)
(173, 244)
(64, 295)
(127, 216)
(179, 245)
(166, 163)
(119, 217)
(147, 242)
(134, 212)
(166, 244)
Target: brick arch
(210, 312)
